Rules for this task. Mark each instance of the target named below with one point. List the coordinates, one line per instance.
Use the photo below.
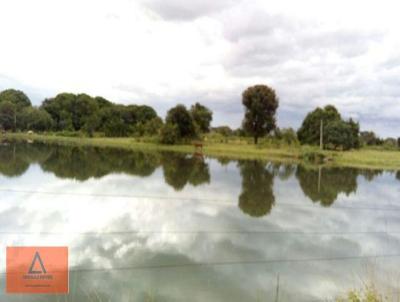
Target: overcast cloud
(160, 52)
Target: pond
(176, 227)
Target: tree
(390, 143)
(145, 113)
(82, 107)
(60, 108)
(181, 117)
(309, 132)
(32, 118)
(8, 116)
(169, 134)
(16, 97)
(369, 138)
(153, 126)
(355, 133)
(260, 103)
(92, 124)
(202, 116)
(287, 135)
(223, 130)
(102, 102)
(340, 134)
(112, 121)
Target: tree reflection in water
(320, 184)
(257, 197)
(324, 185)
(180, 169)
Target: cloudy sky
(160, 52)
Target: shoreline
(362, 158)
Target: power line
(200, 232)
(227, 263)
(213, 201)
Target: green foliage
(169, 134)
(16, 97)
(367, 294)
(92, 123)
(288, 136)
(181, 117)
(223, 130)
(313, 156)
(341, 134)
(72, 112)
(8, 115)
(115, 127)
(81, 108)
(32, 118)
(202, 116)
(369, 138)
(59, 109)
(102, 102)
(309, 132)
(260, 103)
(337, 133)
(390, 143)
(153, 126)
(145, 113)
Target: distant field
(235, 149)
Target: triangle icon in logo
(37, 259)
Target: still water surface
(174, 227)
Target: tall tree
(8, 115)
(81, 108)
(309, 132)
(181, 117)
(341, 134)
(61, 110)
(202, 116)
(32, 118)
(260, 103)
(369, 138)
(16, 97)
(337, 133)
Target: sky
(164, 52)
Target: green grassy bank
(363, 158)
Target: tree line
(82, 113)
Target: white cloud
(162, 52)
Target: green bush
(314, 156)
(169, 134)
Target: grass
(236, 149)
(370, 292)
